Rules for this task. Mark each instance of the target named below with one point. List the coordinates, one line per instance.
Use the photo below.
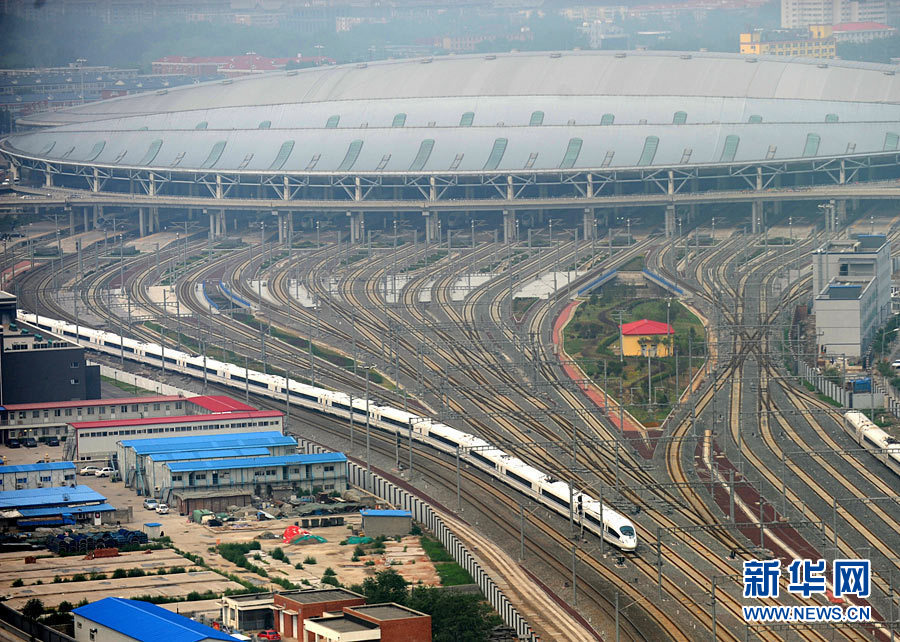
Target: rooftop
(208, 442)
(320, 595)
(92, 402)
(60, 496)
(220, 403)
(145, 621)
(186, 419)
(385, 611)
(860, 26)
(28, 468)
(343, 624)
(646, 327)
(249, 462)
(60, 510)
(205, 454)
(385, 513)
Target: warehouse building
(96, 440)
(114, 619)
(37, 365)
(42, 420)
(132, 458)
(276, 477)
(35, 507)
(45, 475)
(292, 608)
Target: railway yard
(750, 464)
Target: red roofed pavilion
(642, 337)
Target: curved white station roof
(503, 113)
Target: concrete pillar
(154, 212)
(509, 226)
(757, 214)
(357, 224)
(670, 221)
(212, 225)
(840, 212)
(431, 226)
(281, 224)
(141, 229)
(96, 217)
(84, 211)
(71, 221)
(222, 227)
(590, 223)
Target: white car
(104, 472)
(162, 509)
(90, 470)
(150, 503)
(896, 365)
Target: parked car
(30, 442)
(53, 441)
(14, 443)
(150, 503)
(162, 509)
(269, 634)
(106, 471)
(89, 470)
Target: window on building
(74, 364)
(200, 477)
(57, 412)
(90, 410)
(46, 479)
(21, 480)
(134, 407)
(329, 469)
(177, 405)
(74, 382)
(35, 414)
(68, 412)
(102, 410)
(156, 406)
(124, 408)
(22, 414)
(46, 414)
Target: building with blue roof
(153, 464)
(114, 619)
(46, 475)
(275, 476)
(131, 453)
(389, 523)
(29, 508)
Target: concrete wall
(387, 525)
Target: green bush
(298, 566)
(64, 607)
(136, 572)
(18, 582)
(309, 560)
(119, 573)
(278, 554)
(79, 577)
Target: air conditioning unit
(20, 486)
(40, 484)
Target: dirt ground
(406, 556)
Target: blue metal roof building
(115, 618)
(287, 473)
(45, 497)
(57, 473)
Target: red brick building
(384, 622)
(291, 608)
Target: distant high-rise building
(803, 13)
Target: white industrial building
(852, 293)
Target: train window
(613, 532)
(482, 458)
(627, 531)
(518, 478)
(554, 498)
(592, 519)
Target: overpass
(36, 198)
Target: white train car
(883, 447)
(602, 520)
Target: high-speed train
(556, 495)
(883, 447)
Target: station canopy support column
(431, 226)
(357, 224)
(670, 221)
(509, 226)
(590, 224)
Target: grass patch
(635, 264)
(137, 391)
(451, 573)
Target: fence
(36, 630)
(142, 382)
(424, 514)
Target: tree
(33, 609)
(455, 617)
(386, 586)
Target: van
(896, 364)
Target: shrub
(358, 551)
(298, 566)
(415, 530)
(79, 577)
(18, 582)
(309, 560)
(33, 609)
(57, 579)
(64, 607)
(257, 557)
(370, 563)
(277, 554)
(330, 580)
(119, 573)
(98, 576)
(136, 572)
(329, 571)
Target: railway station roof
(532, 111)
